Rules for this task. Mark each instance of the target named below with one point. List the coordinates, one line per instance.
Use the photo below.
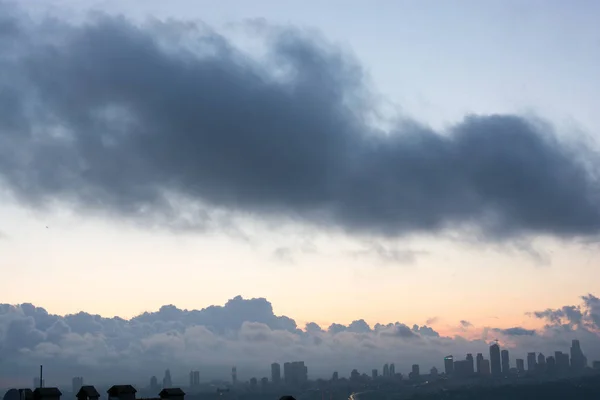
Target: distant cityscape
(293, 379)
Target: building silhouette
(233, 376)
(495, 364)
(275, 373)
(392, 370)
(386, 371)
(471, 363)
(479, 359)
(520, 365)
(485, 367)
(374, 373)
(578, 360)
(194, 379)
(88, 393)
(76, 384)
(167, 382)
(541, 362)
(531, 362)
(505, 362)
(449, 365)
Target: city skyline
(247, 333)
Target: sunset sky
(378, 241)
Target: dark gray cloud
(516, 331)
(465, 324)
(585, 316)
(243, 332)
(165, 122)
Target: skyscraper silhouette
(495, 364)
(505, 362)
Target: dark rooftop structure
(88, 392)
(26, 394)
(287, 398)
(172, 394)
(47, 393)
(121, 392)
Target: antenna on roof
(41, 376)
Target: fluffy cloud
(169, 123)
(246, 333)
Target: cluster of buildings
(498, 364)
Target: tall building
(295, 373)
(505, 362)
(485, 367)
(433, 372)
(275, 373)
(541, 362)
(234, 376)
(578, 360)
(392, 370)
(386, 371)
(478, 363)
(167, 382)
(287, 373)
(77, 383)
(194, 379)
(449, 365)
(495, 364)
(562, 361)
(531, 362)
(415, 372)
(374, 373)
(462, 369)
(520, 365)
(471, 363)
(154, 384)
(551, 364)
(335, 376)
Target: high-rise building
(386, 371)
(578, 360)
(520, 365)
(541, 362)
(562, 361)
(374, 373)
(415, 371)
(485, 367)
(295, 373)
(154, 384)
(551, 364)
(531, 362)
(505, 362)
(275, 373)
(462, 369)
(449, 365)
(433, 372)
(478, 363)
(167, 382)
(335, 376)
(392, 370)
(287, 373)
(471, 363)
(194, 379)
(77, 383)
(495, 364)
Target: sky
(380, 161)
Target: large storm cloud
(167, 120)
(246, 333)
